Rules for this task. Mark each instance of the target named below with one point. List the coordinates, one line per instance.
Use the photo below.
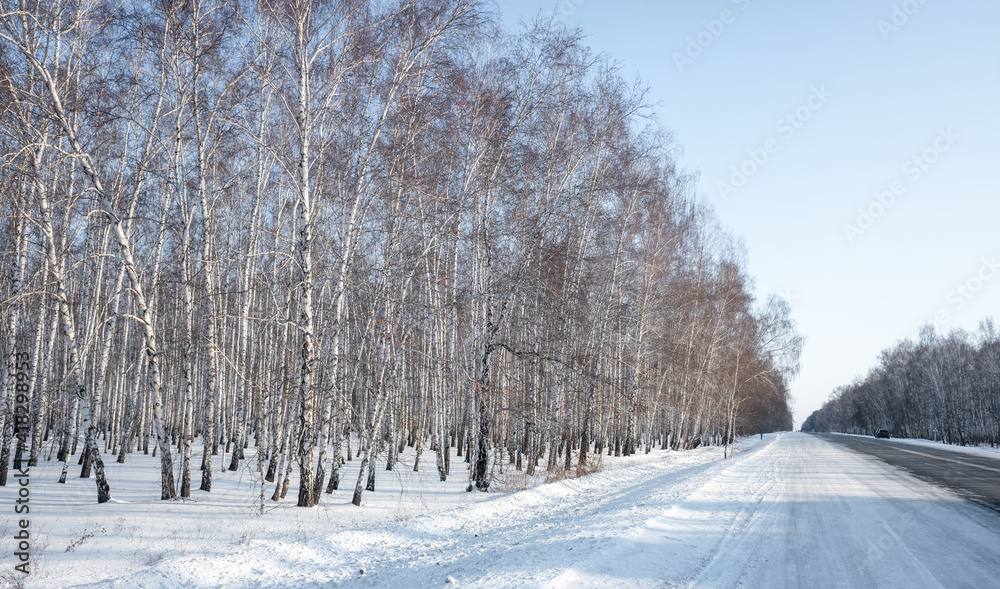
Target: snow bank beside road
(980, 450)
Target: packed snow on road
(789, 510)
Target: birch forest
(330, 229)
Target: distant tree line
(944, 387)
(333, 229)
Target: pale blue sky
(928, 88)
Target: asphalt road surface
(973, 476)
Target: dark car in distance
(882, 433)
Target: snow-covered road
(795, 512)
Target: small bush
(87, 534)
(12, 580)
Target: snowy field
(788, 511)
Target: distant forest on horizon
(940, 387)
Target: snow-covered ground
(788, 511)
(139, 541)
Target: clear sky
(889, 100)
